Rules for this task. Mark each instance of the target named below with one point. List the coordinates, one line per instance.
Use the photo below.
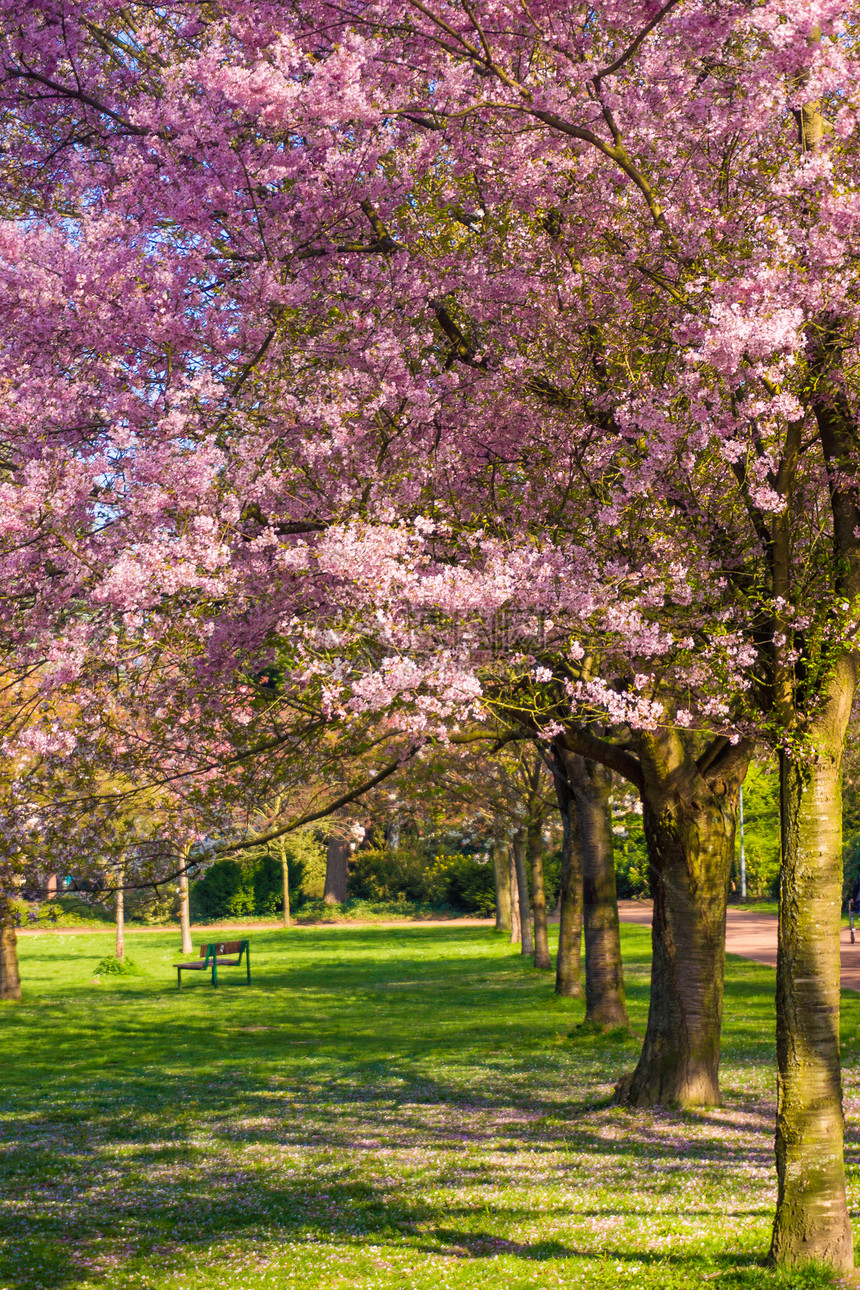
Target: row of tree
(402, 377)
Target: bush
(253, 886)
(151, 907)
(393, 874)
(448, 881)
(632, 869)
(317, 911)
(231, 889)
(551, 877)
(116, 967)
(464, 883)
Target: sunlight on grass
(380, 1108)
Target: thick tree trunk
(119, 899)
(10, 979)
(690, 831)
(336, 869)
(811, 1220)
(516, 929)
(502, 875)
(568, 977)
(812, 1216)
(285, 878)
(519, 844)
(605, 1004)
(534, 849)
(184, 908)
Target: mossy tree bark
(568, 972)
(690, 812)
(10, 977)
(502, 876)
(812, 1215)
(519, 848)
(605, 1004)
(811, 1220)
(534, 851)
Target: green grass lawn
(398, 1108)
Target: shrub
(253, 886)
(388, 875)
(151, 907)
(116, 967)
(551, 877)
(632, 869)
(464, 883)
(224, 891)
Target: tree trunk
(519, 845)
(811, 1220)
(690, 831)
(502, 875)
(811, 1217)
(336, 869)
(516, 928)
(392, 832)
(605, 1005)
(10, 979)
(285, 876)
(534, 849)
(120, 916)
(568, 978)
(184, 906)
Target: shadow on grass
(144, 1128)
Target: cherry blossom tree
(318, 323)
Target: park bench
(218, 953)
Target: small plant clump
(112, 966)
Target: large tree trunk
(812, 1217)
(184, 907)
(519, 845)
(119, 899)
(534, 850)
(336, 869)
(811, 1220)
(502, 875)
(568, 977)
(689, 820)
(10, 979)
(516, 929)
(605, 1004)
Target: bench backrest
(222, 947)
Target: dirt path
(753, 936)
(220, 929)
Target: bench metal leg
(179, 978)
(215, 972)
(248, 966)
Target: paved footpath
(753, 936)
